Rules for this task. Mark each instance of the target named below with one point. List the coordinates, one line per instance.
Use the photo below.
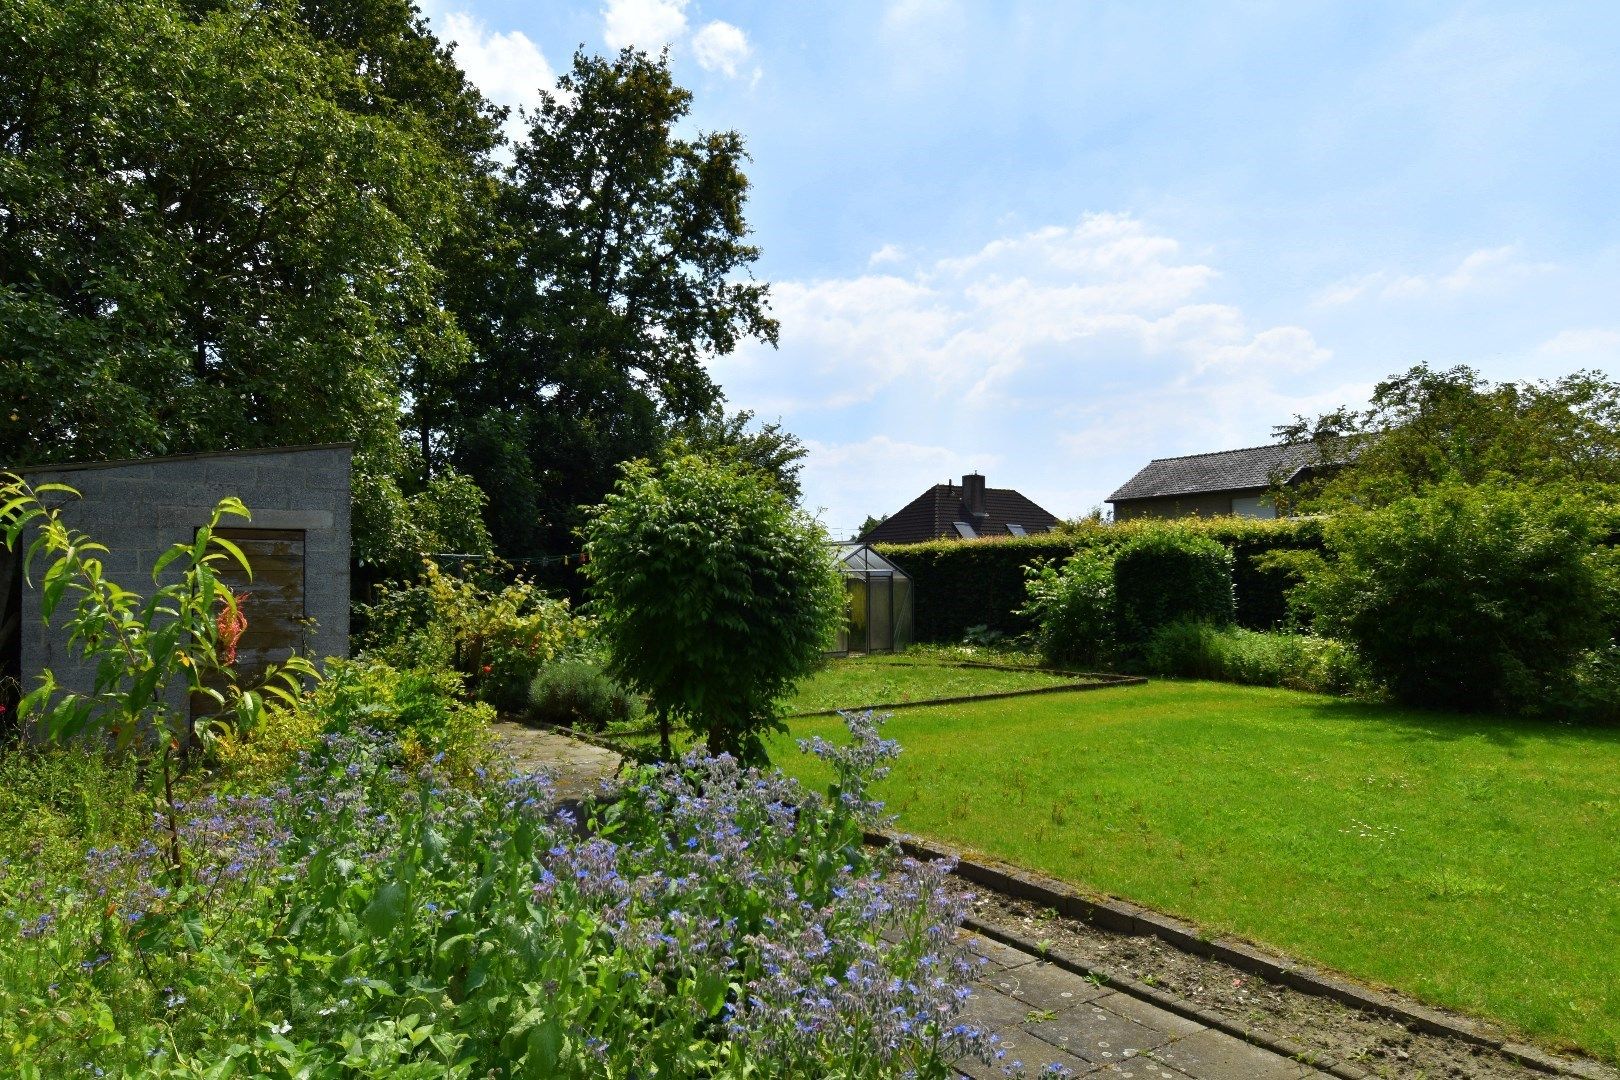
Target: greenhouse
(878, 596)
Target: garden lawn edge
(1131, 919)
(1098, 682)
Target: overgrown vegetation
(1192, 649)
(496, 634)
(356, 892)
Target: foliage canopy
(713, 593)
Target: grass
(1471, 861)
(905, 677)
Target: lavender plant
(711, 921)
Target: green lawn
(1471, 861)
(871, 680)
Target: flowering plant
(711, 921)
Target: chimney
(973, 496)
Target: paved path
(1047, 1015)
(577, 766)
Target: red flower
(488, 668)
(230, 625)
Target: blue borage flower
(714, 876)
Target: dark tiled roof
(1227, 470)
(932, 515)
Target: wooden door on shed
(277, 617)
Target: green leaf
(386, 909)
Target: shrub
(1072, 606)
(577, 693)
(1471, 598)
(1197, 650)
(1170, 574)
(713, 593)
(496, 635)
(421, 711)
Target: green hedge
(962, 583)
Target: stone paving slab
(1045, 1014)
(577, 767)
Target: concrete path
(1046, 1016)
(578, 767)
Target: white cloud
(1057, 360)
(646, 24)
(888, 253)
(720, 46)
(507, 67)
(861, 477)
(1482, 271)
(1588, 342)
(652, 25)
(969, 326)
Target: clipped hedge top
(1070, 535)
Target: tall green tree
(733, 436)
(215, 233)
(1427, 427)
(613, 262)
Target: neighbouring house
(1228, 482)
(966, 512)
(297, 544)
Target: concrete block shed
(297, 543)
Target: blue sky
(1050, 241)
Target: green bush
(577, 693)
(495, 634)
(1170, 574)
(959, 584)
(713, 594)
(1072, 606)
(1470, 598)
(1196, 650)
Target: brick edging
(1127, 918)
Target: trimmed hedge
(1163, 576)
(962, 583)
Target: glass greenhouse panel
(878, 596)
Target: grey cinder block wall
(140, 508)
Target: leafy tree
(611, 263)
(870, 523)
(713, 593)
(1426, 428)
(1472, 597)
(776, 452)
(215, 233)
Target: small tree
(713, 593)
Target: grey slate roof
(1226, 470)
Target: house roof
(933, 514)
(1227, 470)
